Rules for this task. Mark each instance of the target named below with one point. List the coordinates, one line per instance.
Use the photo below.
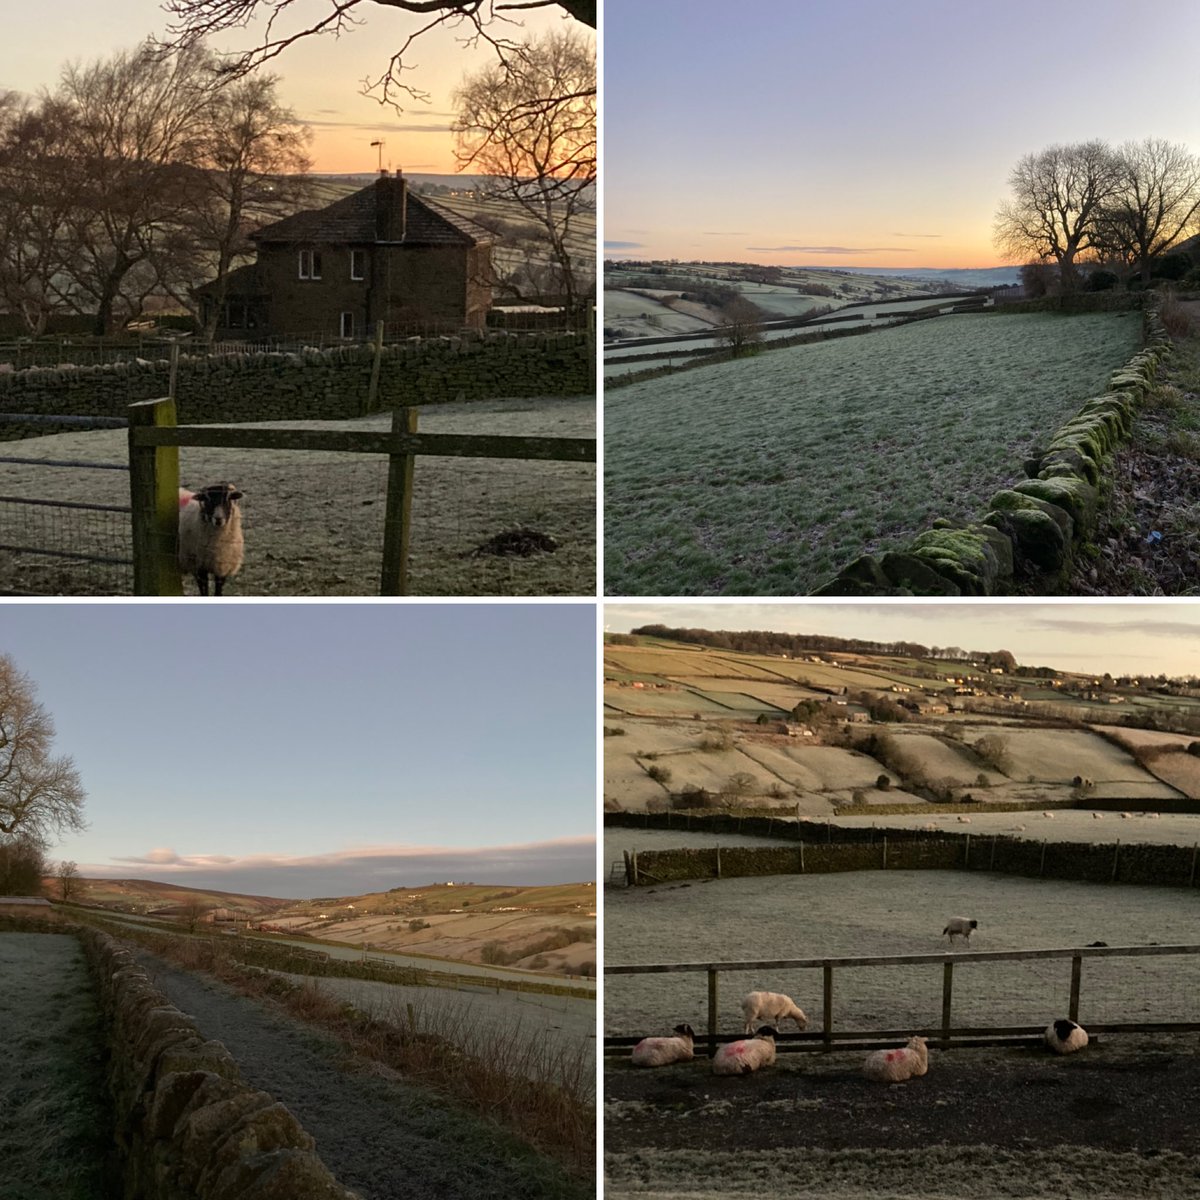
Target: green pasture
(765, 475)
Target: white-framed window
(358, 264)
(347, 324)
(310, 264)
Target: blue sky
(873, 133)
(315, 749)
(1121, 637)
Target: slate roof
(351, 220)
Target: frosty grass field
(866, 913)
(766, 475)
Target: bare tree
(39, 793)
(742, 332)
(22, 867)
(1056, 199)
(252, 167)
(136, 126)
(1155, 205)
(481, 21)
(531, 129)
(68, 879)
(35, 204)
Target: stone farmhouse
(379, 254)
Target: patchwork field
(765, 475)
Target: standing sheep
(771, 1008)
(661, 1051)
(742, 1057)
(960, 926)
(1065, 1037)
(210, 535)
(895, 1066)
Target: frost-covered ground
(765, 475)
(867, 913)
(314, 520)
(561, 1025)
(54, 1127)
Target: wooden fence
(945, 1033)
(155, 438)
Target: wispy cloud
(363, 868)
(723, 232)
(917, 235)
(831, 249)
(623, 245)
(392, 127)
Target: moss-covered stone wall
(1029, 531)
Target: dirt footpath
(379, 1135)
(1121, 1114)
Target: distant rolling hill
(142, 895)
(964, 277)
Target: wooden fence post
(802, 859)
(718, 862)
(1192, 877)
(373, 385)
(1116, 860)
(1076, 970)
(712, 1011)
(947, 992)
(154, 500)
(827, 997)
(397, 523)
(173, 374)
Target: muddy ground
(1117, 1119)
(379, 1134)
(313, 521)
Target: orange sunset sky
(320, 78)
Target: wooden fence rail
(945, 1032)
(155, 438)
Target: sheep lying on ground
(742, 1057)
(771, 1008)
(210, 535)
(960, 927)
(895, 1066)
(1065, 1037)
(660, 1051)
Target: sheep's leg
(202, 583)
(218, 585)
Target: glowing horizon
(865, 135)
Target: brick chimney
(391, 207)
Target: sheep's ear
(236, 495)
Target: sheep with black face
(210, 535)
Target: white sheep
(1065, 1037)
(742, 1057)
(1048, 815)
(930, 827)
(1097, 817)
(771, 1008)
(1127, 816)
(960, 927)
(964, 820)
(895, 1066)
(660, 1051)
(210, 535)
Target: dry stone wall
(188, 1126)
(901, 849)
(1030, 530)
(309, 384)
